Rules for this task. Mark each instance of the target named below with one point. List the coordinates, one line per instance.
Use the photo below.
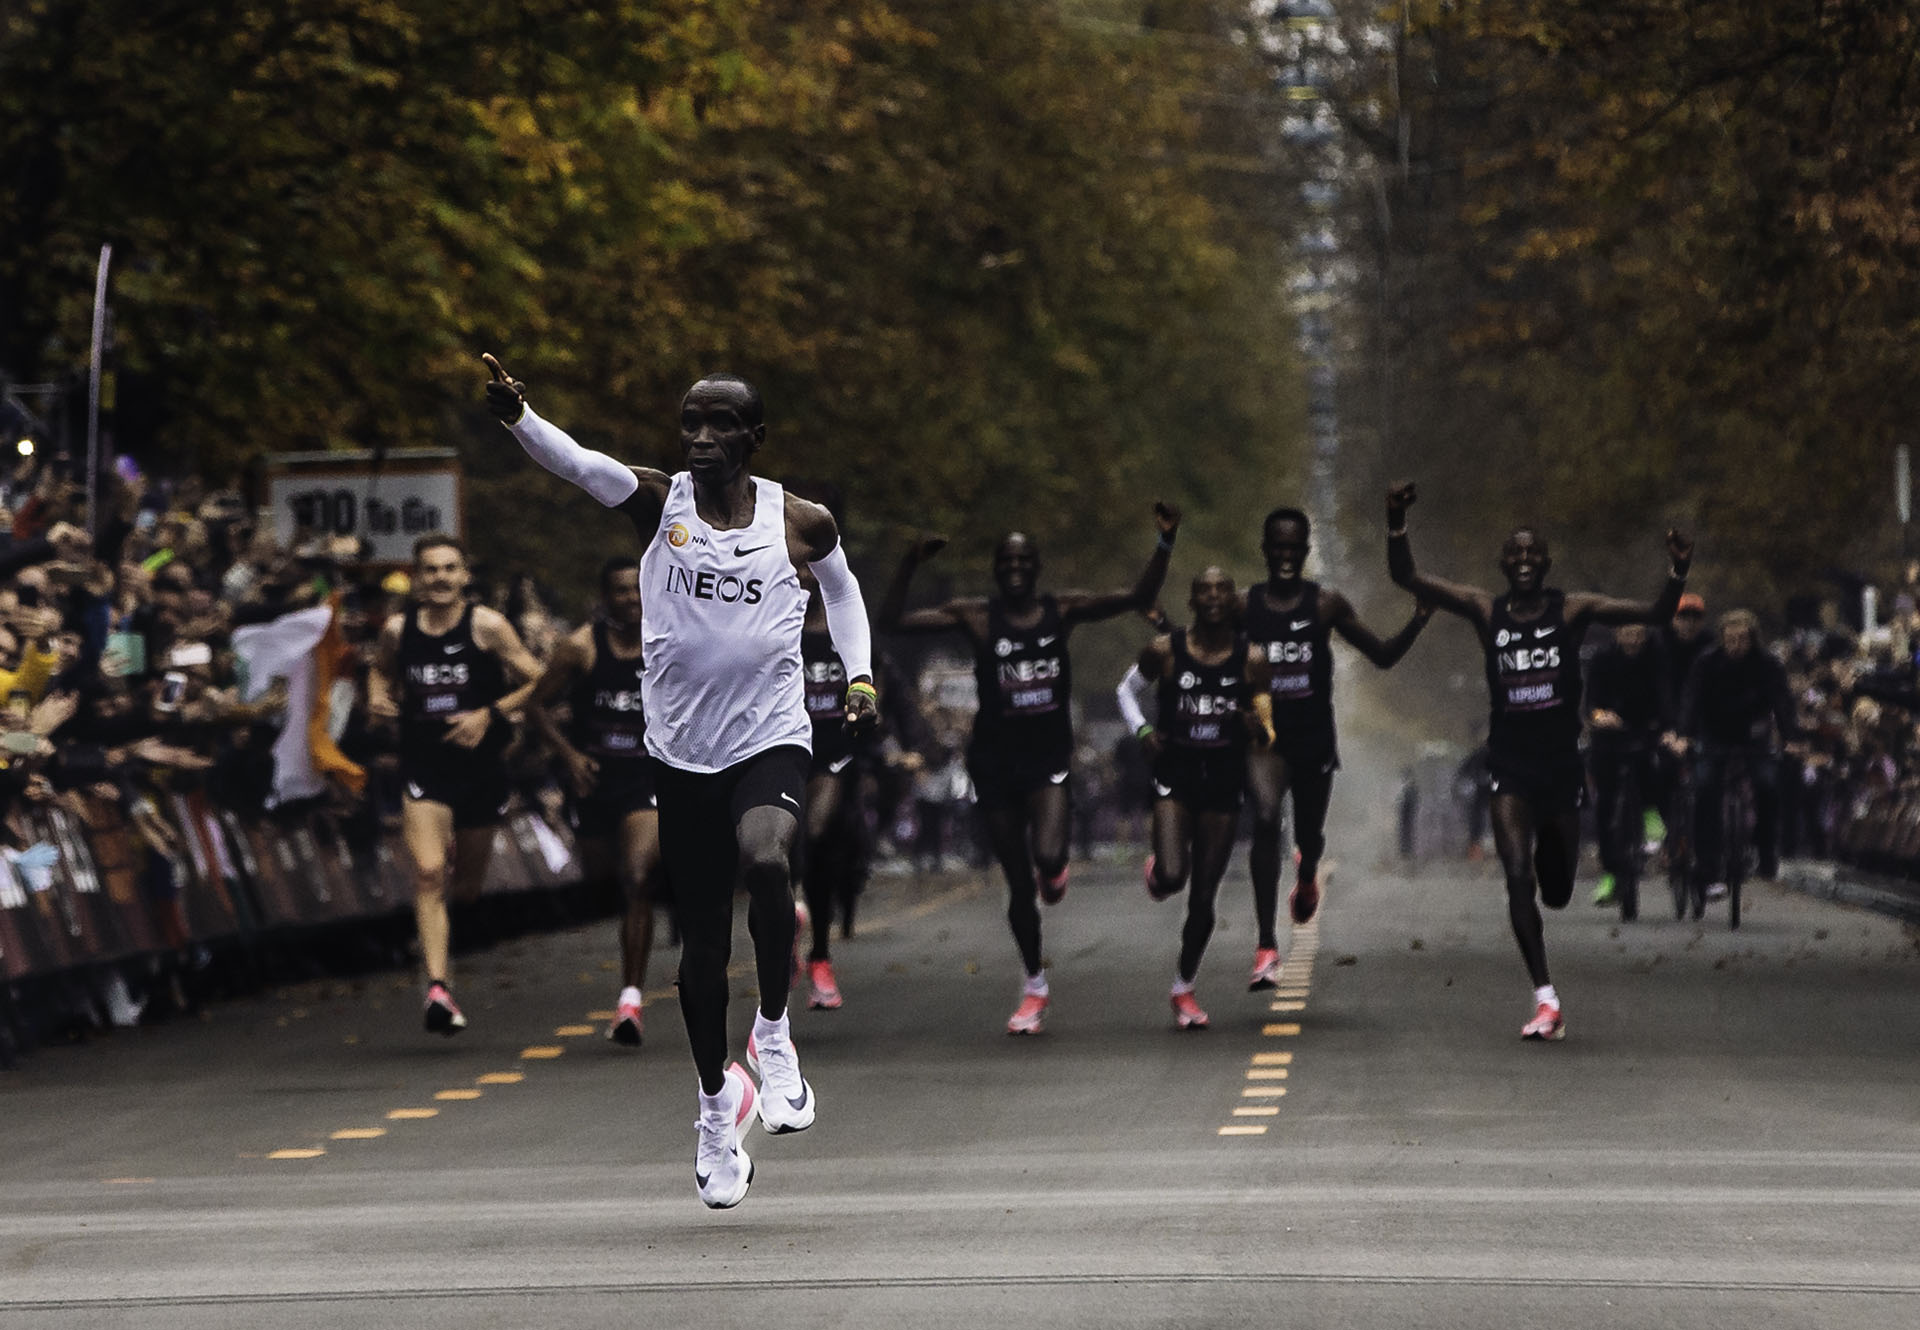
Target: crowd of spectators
(120, 680)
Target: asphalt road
(1730, 1135)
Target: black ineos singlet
(608, 722)
(1199, 703)
(1025, 683)
(1533, 680)
(1295, 643)
(441, 676)
(825, 678)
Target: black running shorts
(1203, 780)
(1552, 784)
(473, 785)
(623, 787)
(1007, 773)
(700, 814)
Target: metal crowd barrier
(108, 898)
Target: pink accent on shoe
(1027, 1016)
(1053, 890)
(1187, 1014)
(1547, 1023)
(826, 991)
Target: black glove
(506, 396)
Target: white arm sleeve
(1133, 685)
(846, 613)
(553, 448)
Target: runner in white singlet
(730, 559)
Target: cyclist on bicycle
(1736, 699)
(1629, 705)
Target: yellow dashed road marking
(549, 1052)
(1290, 995)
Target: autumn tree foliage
(1642, 260)
(978, 256)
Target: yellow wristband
(865, 688)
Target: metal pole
(1903, 497)
(93, 386)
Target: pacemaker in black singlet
(440, 677)
(1533, 683)
(610, 726)
(1296, 643)
(1203, 764)
(826, 689)
(1023, 733)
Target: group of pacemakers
(712, 704)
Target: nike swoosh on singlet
(1304, 623)
(452, 647)
(1543, 632)
(789, 798)
(742, 551)
(1043, 641)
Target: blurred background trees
(993, 265)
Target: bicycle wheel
(1737, 828)
(1680, 857)
(1628, 831)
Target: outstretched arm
(1470, 603)
(1087, 606)
(1363, 639)
(896, 618)
(1584, 606)
(639, 491)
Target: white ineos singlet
(721, 616)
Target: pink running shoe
(1187, 1014)
(826, 993)
(443, 1013)
(1304, 900)
(1053, 890)
(1266, 970)
(1027, 1016)
(629, 1025)
(1547, 1023)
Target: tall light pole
(93, 385)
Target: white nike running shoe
(786, 1100)
(722, 1169)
